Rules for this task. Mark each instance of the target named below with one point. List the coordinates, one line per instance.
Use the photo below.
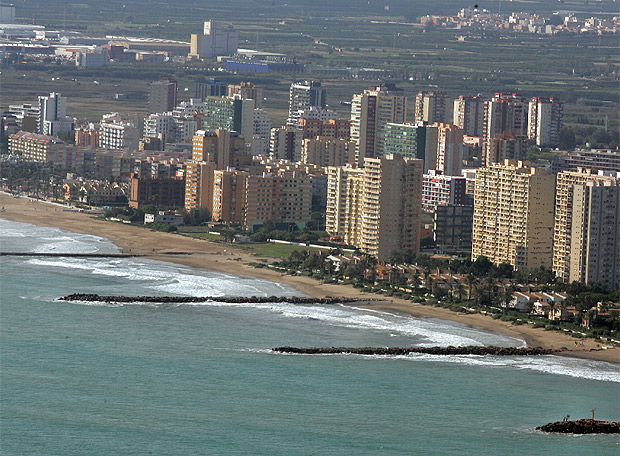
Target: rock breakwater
(391, 351)
(582, 427)
(86, 297)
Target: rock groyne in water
(391, 351)
(85, 297)
(582, 427)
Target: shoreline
(229, 259)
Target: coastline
(208, 255)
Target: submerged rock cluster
(391, 351)
(582, 427)
(86, 297)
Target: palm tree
(470, 280)
(489, 286)
(427, 277)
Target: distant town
(455, 177)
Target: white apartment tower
(303, 96)
(545, 120)
(53, 118)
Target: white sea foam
(550, 364)
(23, 237)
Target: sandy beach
(232, 260)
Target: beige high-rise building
(563, 227)
(469, 114)
(506, 146)
(377, 208)
(343, 201)
(285, 143)
(246, 91)
(199, 185)
(210, 151)
(595, 238)
(449, 149)
(229, 195)
(278, 198)
(505, 112)
(370, 112)
(513, 215)
(430, 107)
(322, 151)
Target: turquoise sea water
(135, 379)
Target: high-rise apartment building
(599, 159)
(469, 114)
(214, 41)
(370, 112)
(377, 208)
(506, 146)
(118, 134)
(229, 113)
(513, 215)
(440, 190)
(333, 128)
(430, 107)
(262, 132)
(344, 201)
(211, 151)
(246, 91)
(164, 193)
(450, 149)
(210, 88)
(452, 226)
(229, 195)
(325, 151)
(26, 116)
(286, 143)
(162, 95)
(563, 227)
(544, 120)
(53, 119)
(285, 197)
(303, 96)
(505, 112)
(316, 113)
(406, 139)
(595, 237)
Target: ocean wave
(549, 364)
(24, 237)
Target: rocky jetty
(582, 427)
(391, 351)
(85, 297)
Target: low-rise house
(340, 261)
(170, 217)
(540, 303)
(96, 193)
